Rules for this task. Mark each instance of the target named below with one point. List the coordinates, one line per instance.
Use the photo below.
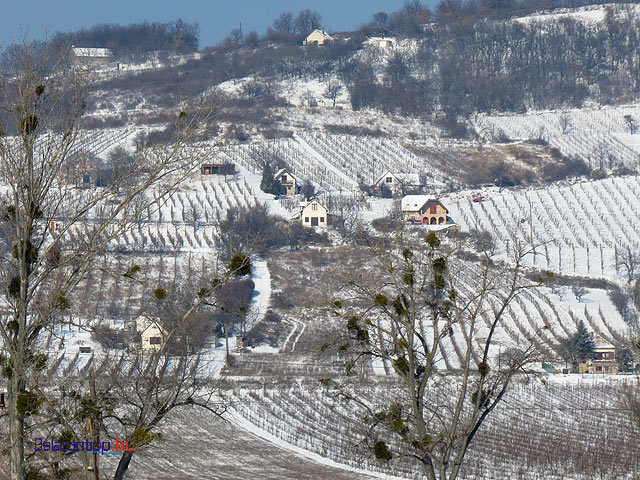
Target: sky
(37, 19)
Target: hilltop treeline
(459, 10)
(484, 66)
(135, 38)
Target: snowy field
(579, 228)
(335, 163)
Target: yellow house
(151, 333)
(318, 37)
(313, 214)
(424, 209)
(288, 181)
(604, 358)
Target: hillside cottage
(151, 333)
(79, 170)
(604, 358)
(318, 37)
(313, 214)
(380, 42)
(424, 209)
(91, 56)
(399, 183)
(210, 168)
(288, 181)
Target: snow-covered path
(262, 291)
(257, 310)
(241, 422)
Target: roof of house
(322, 32)
(91, 52)
(406, 178)
(602, 344)
(413, 203)
(144, 323)
(282, 171)
(374, 40)
(304, 205)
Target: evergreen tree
(580, 346)
(266, 185)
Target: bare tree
(135, 389)
(631, 123)
(404, 315)
(194, 216)
(41, 267)
(629, 262)
(579, 292)
(307, 21)
(284, 23)
(234, 38)
(564, 122)
(332, 91)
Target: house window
(306, 219)
(314, 206)
(155, 340)
(86, 179)
(284, 179)
(321, 219)
(433, 209)
(389, 179)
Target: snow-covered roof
(304, 205)
(602, 344)
(406, 178)
(379, 40)
(279, 173)
(413, 203)
(322, 32)
(92, 52)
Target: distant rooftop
(86, 52)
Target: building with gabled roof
(424, 209)
(287, 180)
(604, 358)
(381, 42)
(151, 333)
(399, 183)
(318, 37)
(90, 55)
(313, 214)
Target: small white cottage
(313, 214)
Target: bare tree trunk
(16, 427)
(123, 465)
(226, 339)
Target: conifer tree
(266, 185)
(580, 346)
